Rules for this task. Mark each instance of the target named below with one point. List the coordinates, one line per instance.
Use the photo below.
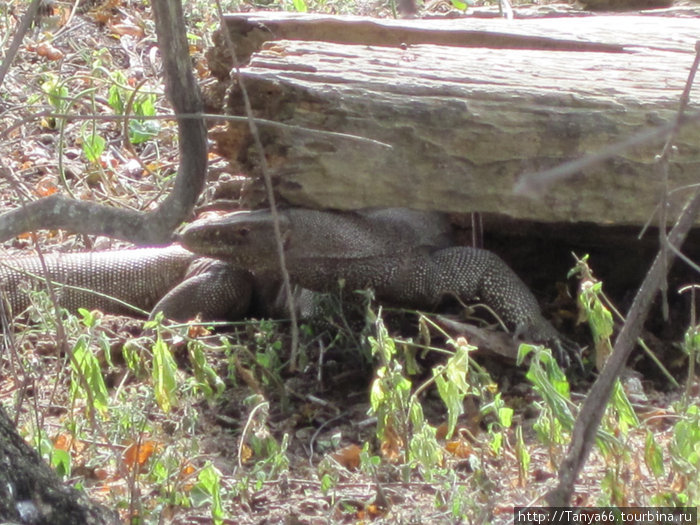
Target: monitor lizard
(130, 281)
(406, 256)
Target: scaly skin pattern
(168, 279)
(403, 255)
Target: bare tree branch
(592, 410)
(286, 281)
(594, 406)
(29, 16)
(141, 228)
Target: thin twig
(61, 337)
(589, 418)
(592, 410)
(662, 161)
(537, 184)
(196, 116)
(692, 347)
(270, 192)
(29, 16)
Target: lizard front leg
(471, 273)
(213, 289)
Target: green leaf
(450, 395)
(452, 385)
(327, 483)
(115, 100)
(299, 6)
(88, 318)
(164, 375)
(523, 351)
(505, 416)
(685, 443)
(56, 91)
(87, 374)
(145, 106)
(522, 454)
(425, 449)
(621, 404)
(653, 457)
(416, 415)
(376, 393)
(132, 357)
(496, 443)
(142, 130)
(208, 490)
(60, 460)
(204, 373)
(457, 368)
(93, 147)
(550, 382)
(117, 94)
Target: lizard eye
(243, 232)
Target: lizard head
(245, 238)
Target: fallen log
(454, 126)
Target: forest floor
(187, 424)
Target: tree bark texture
(30, 492)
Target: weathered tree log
(455, 125)
(30, 492)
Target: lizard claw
(566, 352)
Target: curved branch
(155, 227)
